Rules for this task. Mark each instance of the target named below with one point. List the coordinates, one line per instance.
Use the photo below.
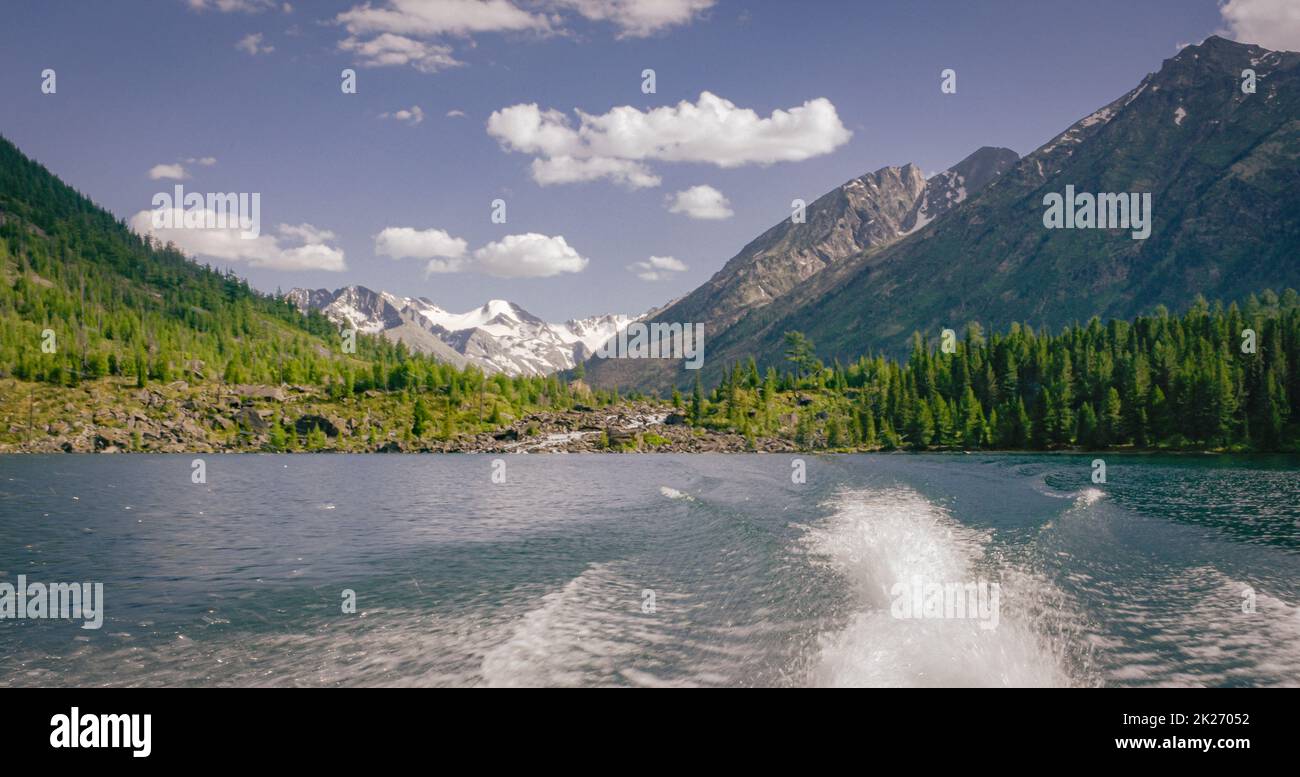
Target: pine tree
(972, 433)
(697, 402)
(1088, 434)
(833, 435)
(868, 429)
(277, 438)
(1112, 420)
(420, 418)
(920, 429)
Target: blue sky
(167, 82)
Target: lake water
(649, 570)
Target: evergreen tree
(420, 418)
(697, 402)
(1088, 434)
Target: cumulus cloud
(306, 233)
(389, 50)
(235, 6)
(444, 253)
(252, 44)
(1273, 24)
(405, 242)
(639, 18)
(445, 266)
(262, 251)
(308, 257)
(455, 113)
(657, 268)
(397, 32)
(413, 115)
(711, 130)
(427, 22)
(444, 17)
(176, 172)
(528, 255)
(700, 202)
(567, 169)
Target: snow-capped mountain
(500, 336)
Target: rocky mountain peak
(498, 336)
(1217, 163)
(984, 165)
(871, 211)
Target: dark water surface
(544, 579)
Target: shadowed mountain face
(1223, 171)
(870, 211)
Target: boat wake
(599, 629)
(881, 542)
(673, 493)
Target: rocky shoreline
(180, 418)
(116, 416)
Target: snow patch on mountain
(499, 336)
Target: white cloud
(639, 18)
(566, 169)
(383, 24)
(390, 50)
(444, 252)
(308, 257)
(700, 202)
(455, 113)
(306, 233)
(1273, 24)
(413, 115)
(657, 268)
(711, 130)
(390, 34)
(422, 18)
(252, 44)
(528, 256)
(262, 251)
(445, 266)
(233, 6)
(176, 172)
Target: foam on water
(568, 638)
(1089, 496)
(878, 538)
(586, 633)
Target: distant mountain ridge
(868, 212)
(1223, 168)
(874, 209)
(500, 336)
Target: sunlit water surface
(548, 578)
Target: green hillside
(153, 352)
(126, 313)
